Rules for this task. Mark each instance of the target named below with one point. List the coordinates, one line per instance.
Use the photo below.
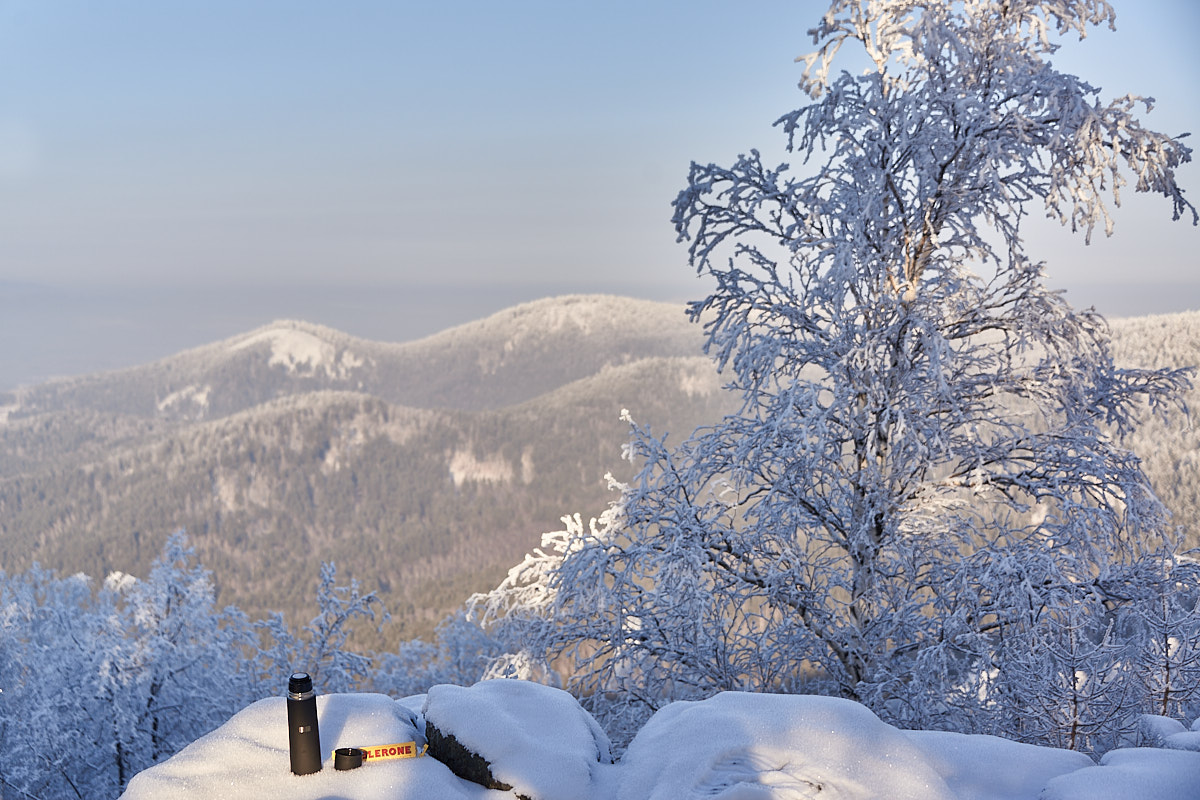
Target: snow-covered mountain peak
(302, 349)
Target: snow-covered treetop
(963, 120)
(896, 31)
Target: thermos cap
(299, 683)
(347, 758)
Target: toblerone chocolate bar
(387, 752)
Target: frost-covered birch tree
(926, 469)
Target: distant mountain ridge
(507, 358)
(424, 469)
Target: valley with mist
(424, 470)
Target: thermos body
(304, 738)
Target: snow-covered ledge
(247, 757)
(731, 747)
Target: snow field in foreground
(733, 746)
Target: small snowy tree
(1165, 642)
(460, 654)
(320, 647)
(925, 426)
(1063, 680)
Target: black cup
(347, 758)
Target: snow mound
(1154, 730)
(247, 758)
(537, 739)
(978, 767)
(1140, 773)
(1187, 740)
(739, 746)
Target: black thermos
(304, 740)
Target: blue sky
(469, 153)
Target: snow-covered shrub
(460, 655)
(319, 648)
(102, 682)
(98, 683)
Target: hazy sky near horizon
(231, 154)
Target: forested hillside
(423, 470)
(1170, 448)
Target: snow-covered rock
(1141, 773)
(535, 739)
(247, 758)
(739, 746)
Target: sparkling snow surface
(1136, 774)
(762, 746)
(991, 768)
(731, 747)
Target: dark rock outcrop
(464, 763)
(532, 740)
